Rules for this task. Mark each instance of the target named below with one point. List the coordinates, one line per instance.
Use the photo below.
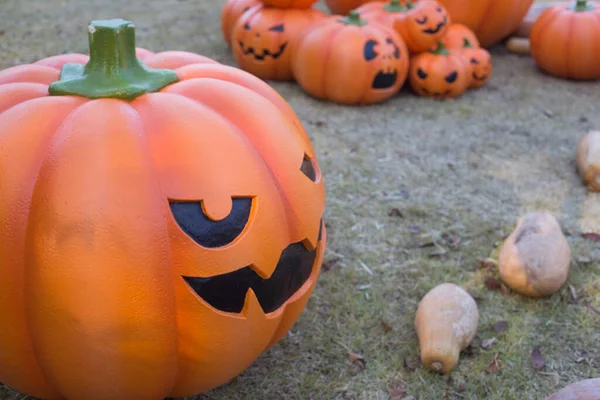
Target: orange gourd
(565, 40)
(457, 35)
(350, 61)
(343, 7)
(491, 20)
(422, 25)
(263, 39)
(232, 11)
(439, 73)
(481, 65)
(161, 224)
(300, 4)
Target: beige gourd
(535, 258)
(588, 389)
(446, 322)
(588, 159)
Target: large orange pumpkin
(350, 61)
(231, 12)
(565, 40)
(263, 39)
(422, 25)
(491, 20)
(343, 7)
(160, 228)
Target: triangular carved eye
(452, 77)
(308, 168)
(421, 74)
(277, 28)
(369, 52)
(192, 219)
(474, 61)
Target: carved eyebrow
(277, 28)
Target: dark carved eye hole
(245, 9)
(389, 41)
(192, 219)
(396, 52)
(452, 77)
(422, 21)
(421, 74)
(247, 26)
(277, 28)
(439, 9)
(369, 51)
(474, 61)
(308, 169)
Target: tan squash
(587, 389)
(446, 322)
(535, 258)
(588, 159)
(519, 46)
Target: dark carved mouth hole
(433, 31)
(482, 78)
(385, 80)
(227, 292)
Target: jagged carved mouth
(265, 53)
(433, 31)
(385, 80)
(483, 78)
(227, 292)
(436, 94)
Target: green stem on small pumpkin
(113, 71)
(353, 18)
(581, 5)
(467, 44)
(441, 50)
(395, 6)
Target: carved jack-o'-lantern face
(439, 74)
(421, 24)
(263, 37)
(481, 65)
(387, 54)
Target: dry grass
(460, 172)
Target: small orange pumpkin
(160, 227)
(457, 35)
(422, 25)
(565, 40)
(343, 7)
(366, 63)
(232, 11)
(439, 73)
(300, 4)
(263, 39)
(481, 64)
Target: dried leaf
(492, 283)
(591, 307)
(387, 327)
(592, 236)
(500, 326)
(494, 365)
(357, 359)
(395, 212)
(537, 360)
(461, 388)
(319, 123)
(397, 391)
(330, 263)
(584, 260)
(573, 291)
(410, 364)
(487, 343)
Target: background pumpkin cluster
(362, 54)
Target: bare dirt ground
(418, 191)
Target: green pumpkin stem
(441, 50)
(395, 6)
(353, 18)
(113, 71)
(581, 5)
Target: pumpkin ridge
(327, 56)
(485, 14)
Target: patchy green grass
(459, 173)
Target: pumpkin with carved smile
(481, 64)
(231, 12)
(263, 39)
(440, 73)
(421, 25)
(378, 56)
(162, 222)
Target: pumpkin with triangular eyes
(231, 12)
(421, 24)
(263, 39)
(439, 73)
(481, 64)
(367, 63)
